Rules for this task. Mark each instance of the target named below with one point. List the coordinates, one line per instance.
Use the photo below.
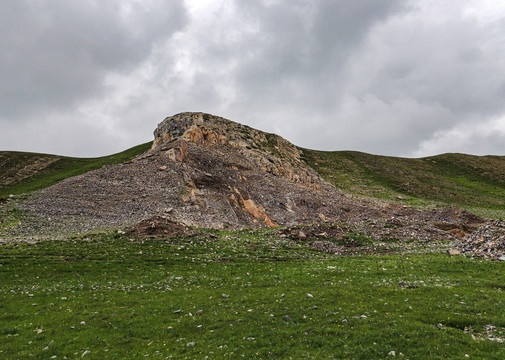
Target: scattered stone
(301, 235)
(453, 252)
(327, 246)
(191, 344)
(310, 295)
(488, 241)
(287, 318)
(225, 296)
(392, 353)
(199, 312)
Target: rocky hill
(206, 171)
(202, 171)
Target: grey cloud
(453, 65)
(299, 52)
(389, 76)
(56, 53)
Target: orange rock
(256, 211)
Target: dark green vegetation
(22, 172)
(473, 182)
(250, 294)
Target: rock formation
(206, 171)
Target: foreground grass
(245, 294)
(14, 163)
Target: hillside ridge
(469, 181)
(25, 172)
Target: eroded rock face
(269, 152)
(210, 172)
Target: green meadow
(244, 294)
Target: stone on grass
(453, 252)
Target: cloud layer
(387, 77)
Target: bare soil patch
(160, 227)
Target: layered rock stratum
(206, 171)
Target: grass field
(247, 294)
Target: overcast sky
(391, 77)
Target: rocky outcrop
(210, 172)
(269, 152)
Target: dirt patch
(455, 229)
(453, 214)
(160, 227)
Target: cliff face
(268, 152)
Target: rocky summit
(206, 171)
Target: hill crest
(269, 152)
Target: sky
(391, 77)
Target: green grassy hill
(473, 182)
(22, 172)
(476, 183)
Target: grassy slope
(62, 168)
(474, 182)
(242, 295)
